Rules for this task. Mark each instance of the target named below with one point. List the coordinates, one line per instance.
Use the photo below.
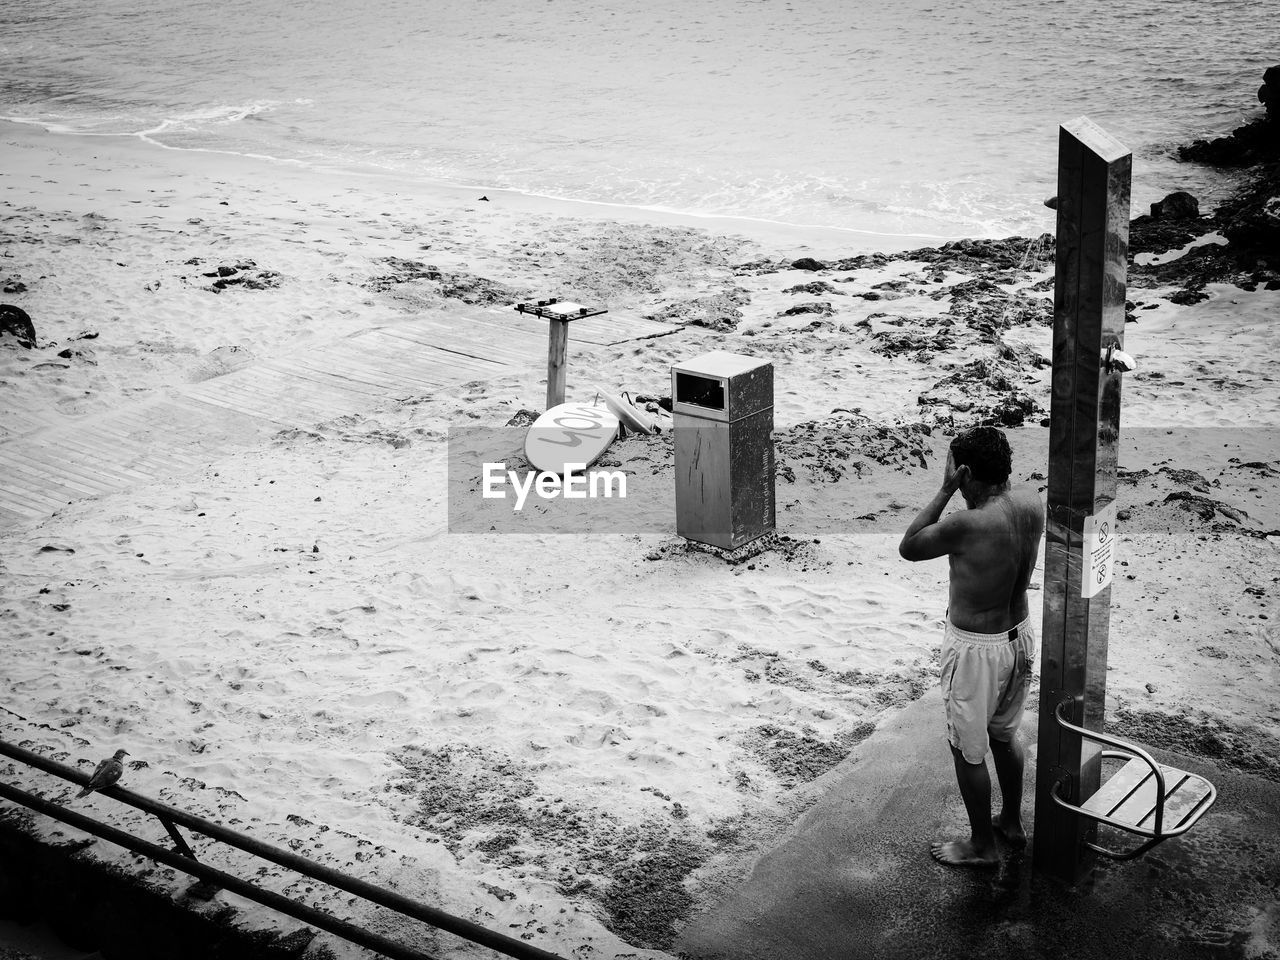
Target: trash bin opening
(700, 391)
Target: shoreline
(306, 178)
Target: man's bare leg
(1010, 761)
(975, 788)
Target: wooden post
(559, 313)
(557, 360)
(1094, 172)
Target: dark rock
(1251, 219)
(866, 261)
(457, 286)
(716, 312)
(257, 280)
(412, 269)
(522, 418)
(820, 307)
(982, 257)
(1011, 412)
(918, 345)
(1188, 296)
(480, 290)
(757, 267)
(243, 273)
(846, 443)
(1269, 93)
(969, 291)
(13, 285)
(1256, 142)
(983, 390)
(14, 322)
(1203, 507)
(991, 316)
(663, 403)
(816, 288)
(808, 263)
(1151, 234)
(1176, 206)
(403, 271)
(1209, 263)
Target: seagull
(107, 773)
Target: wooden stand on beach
(560, 314)
(1094, 171)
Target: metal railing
(185, 860)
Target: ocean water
(916, 117)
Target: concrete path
(193, 425)
(854, 878)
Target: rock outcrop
(1173, 222)
(14, 322)
(1269, 92)
(1179, 205)
(1249, 219)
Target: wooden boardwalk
(45, 467)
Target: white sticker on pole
(1099, 551)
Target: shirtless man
(989, 643)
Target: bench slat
(1185, 803)
(1113, 794)
(1139, 809)
(1130, 796)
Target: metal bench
(1143, 797)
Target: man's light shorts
(985, 678)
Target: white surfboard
(635, 419)
(570, 433)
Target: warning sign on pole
(1099, 551)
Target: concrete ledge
(854, 878)
(91, 906)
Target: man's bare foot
(1011, 833)
(963, 853)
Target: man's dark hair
(985, 450)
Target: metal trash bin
(722, 410)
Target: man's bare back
(991, 566)
(991, 547)
(988, 643)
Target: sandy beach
(579, 740)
